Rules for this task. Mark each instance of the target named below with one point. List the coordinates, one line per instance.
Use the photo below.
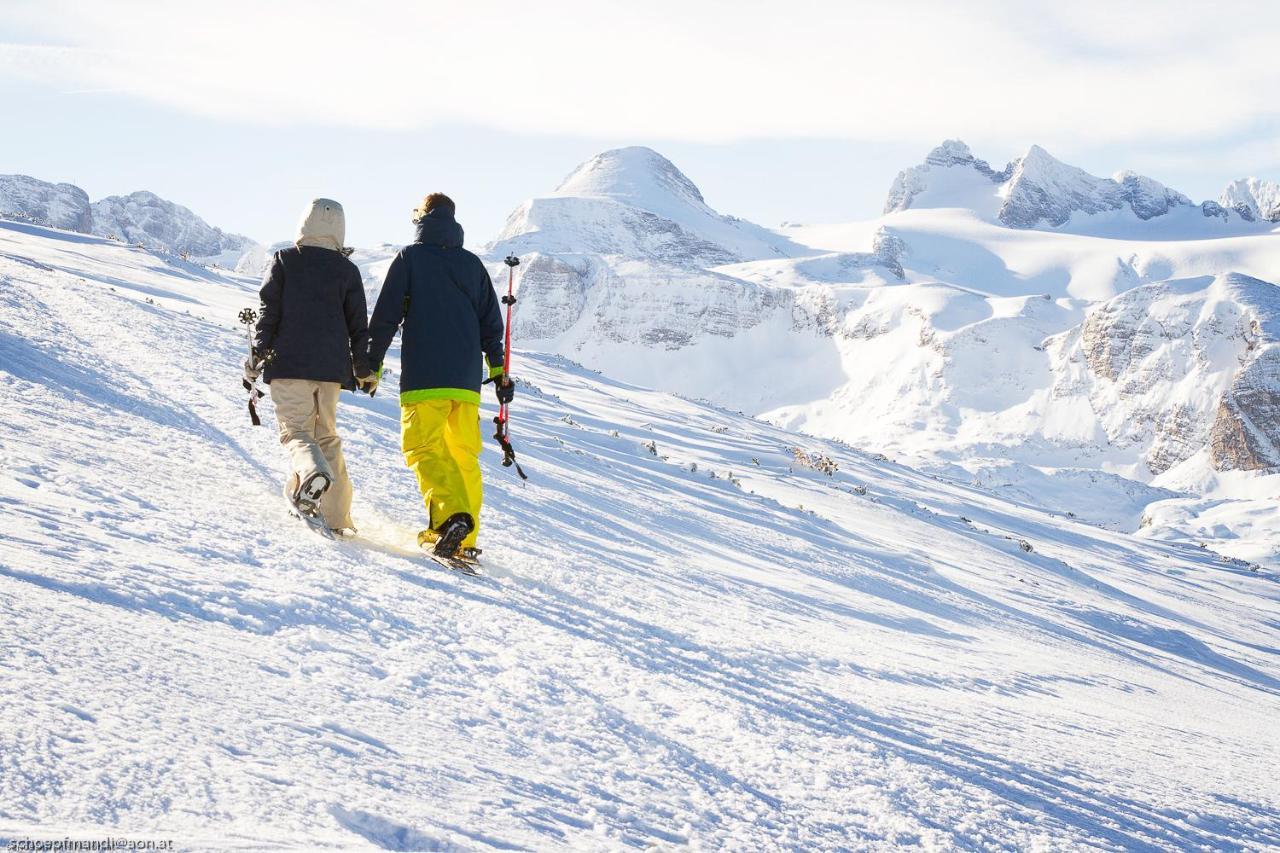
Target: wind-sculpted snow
(686, 639)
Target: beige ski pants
(307, 413)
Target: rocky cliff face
(1176, 367)
(64, 206)
(1253, 199)
(156, 223)
(141, 217)
(1246, 431)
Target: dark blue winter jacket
(443, 296)
(313, 317)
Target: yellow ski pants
(441, 444)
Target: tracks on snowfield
(660, 657)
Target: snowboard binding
(306, 497)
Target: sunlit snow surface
(660, 656)
(1081, 366)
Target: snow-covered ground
(688, 635)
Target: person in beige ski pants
(307, 414)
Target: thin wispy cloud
(709, 71)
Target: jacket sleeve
(490, 323)
(270, 297)
(357, 323)
(389, 311)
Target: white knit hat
(323, 224)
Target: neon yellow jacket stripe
(462, 395)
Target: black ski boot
(454, 529)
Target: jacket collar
(438, 228)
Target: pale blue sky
(244, 117)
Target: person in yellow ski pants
(441, 444)
(440, 298)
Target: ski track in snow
(658, 657)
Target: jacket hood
(438, 228)
(323, 224)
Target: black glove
(504, 388)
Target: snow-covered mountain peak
(1252, 199)
(1037, 190)
(1041, 187)
(952, 152)
(950, 176)
(145, 218)
(637, 175)
(29, 199)
(635, 203)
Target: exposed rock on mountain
(145, 218)
(1033, 190)
(64, 206)
(624, 250)
(1253, 199)
(1181, 365)
(141, 217)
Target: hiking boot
(452, 532)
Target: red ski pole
(501, 421)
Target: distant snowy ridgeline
(140, 218)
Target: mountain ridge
(141, 218)
(1038, 189)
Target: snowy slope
(689, 635)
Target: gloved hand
(504, 388)
(369, 382)
(253, 368)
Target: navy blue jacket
(443, 297)
(313, 317)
